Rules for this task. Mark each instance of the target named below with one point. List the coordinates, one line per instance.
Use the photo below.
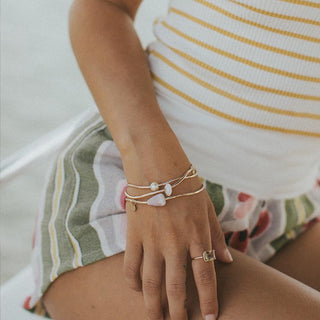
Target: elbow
(130, 7)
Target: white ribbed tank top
(239, 82)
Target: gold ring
(207, 255)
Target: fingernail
(228, 254)
(210, 317)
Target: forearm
(115, 68)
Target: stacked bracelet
(167, 186)
(155, 186)
(158, 198)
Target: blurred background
(41, 89)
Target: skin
(155, 278)
(247, 289)
(115, 68)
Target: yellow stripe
(240, 59)
(244, 82)
(303, 3)
(229, 117)
(233, 97)
(258, 25)
(53, 238)
(300, 210)
(291, 234)
(245, 40)
(277, 15)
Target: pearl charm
(168, 189)
(154, 186)
(158, 200)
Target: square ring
(209, 255)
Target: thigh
(300, 258)
(247, 289)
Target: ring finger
(205, 279)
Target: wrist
(154, 155)
(137, 137)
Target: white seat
(13, 294)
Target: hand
(162, 238)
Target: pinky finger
(217, 236)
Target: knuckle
(176, 289)
(151, 286)
(205, 277)
(132, 277)
(207, 304)
(130, 271)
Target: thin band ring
(207, 255)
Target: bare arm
(115, 67)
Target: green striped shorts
(82, 216)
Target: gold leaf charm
(133, 206)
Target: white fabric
(267, 163)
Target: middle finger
(176, 284)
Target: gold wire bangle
(171, 197)
(157, 191)
(191, 169)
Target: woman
(231, 88)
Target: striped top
(254, 66)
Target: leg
(98, 291)
(300, 258)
